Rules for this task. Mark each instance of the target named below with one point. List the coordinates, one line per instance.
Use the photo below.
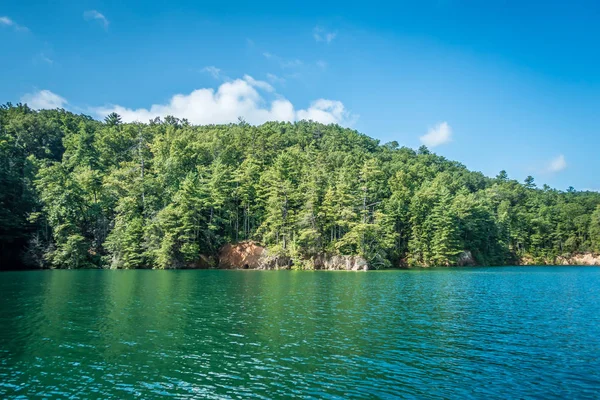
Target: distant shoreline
(303, 270)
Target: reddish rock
(244, 255)
(250, 255)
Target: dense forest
(78, 193)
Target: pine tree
(595, 229)
(445, 243)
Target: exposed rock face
(579, 259)
(274, 262)
(334, 262)
(465, 259)
(249, 255)
(241, 255)
(572, 259)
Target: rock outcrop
(338, 263)
(465, 259)
(250, 255)
(579, 259)
(572, 259)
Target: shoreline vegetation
(80, 193)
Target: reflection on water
(515, 332)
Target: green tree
(76, 192)
(595, 229)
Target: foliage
(83, 193)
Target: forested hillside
(77, 193)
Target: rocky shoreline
(251, 255)
(580, 259)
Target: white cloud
(43, 99)
(440, 134)
(233, 99)
(6, 21)
(321, 35)
(213, 71)
(557, 164)
(93, 14)
(327, 112)
(322, 64)
(258, 84)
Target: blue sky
(496, 85)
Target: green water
(513, 332)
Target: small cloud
(283, 63)
(327, 112)
(95, 15)
(557, 164)
(322, 64)
(294, 75)
(258, 84)
(440, 134)
(46, 59)
(43, 58)
(250, 42)
(321, 35)
(6, 21)
(44, 99)
(213, 71)
(274, 79)
(291, 63)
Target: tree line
(80, 193)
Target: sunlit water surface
(511, 332)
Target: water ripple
(448, 333)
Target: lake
(503, 332)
